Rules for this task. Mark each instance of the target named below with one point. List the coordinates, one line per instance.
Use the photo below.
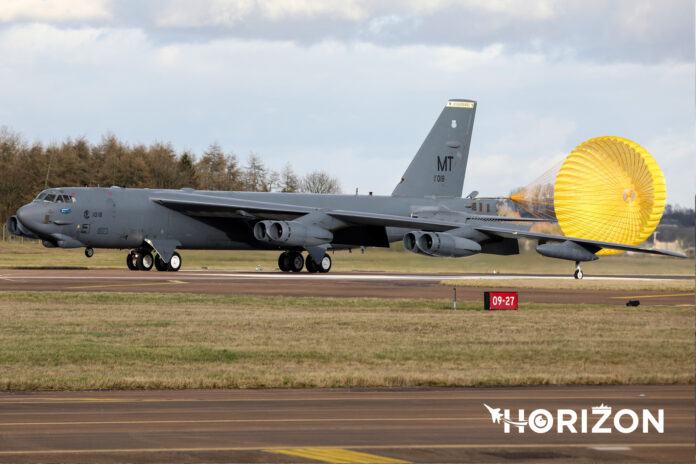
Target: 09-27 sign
(499, 300)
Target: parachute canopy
(608, 188)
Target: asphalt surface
(422, 425)
(449, 425)
(379, 285)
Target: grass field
(394, 259)
(106, 341)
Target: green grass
(106, 341)
(394, 259)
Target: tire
(145, 261)
(89, 252)
(296, 261)
(159, 264)
(284, 262)
(578, 274)
(310, 266)
(130, 262)
(325, 264)
(174, 263)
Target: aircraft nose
(30, 216)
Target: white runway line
(217, 275)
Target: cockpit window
(50, 197)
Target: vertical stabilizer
(439, 167)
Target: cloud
(229, 13)
(595, 30)
(359, 109)
(54, 10)
(642, 31)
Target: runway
(378, 285)
(423, 425)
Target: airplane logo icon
(496, 415)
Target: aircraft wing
(512, 233)
(214, 206)
(476, 223)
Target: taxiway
(377, 285)
(432, 425)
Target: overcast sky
(353, 86)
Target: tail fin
(438, 168)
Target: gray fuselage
(123, 218)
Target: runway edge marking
(385, 446)
(337, 455)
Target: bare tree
(320, 182)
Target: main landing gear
(578, 271)
(293, 261)
(142, 260)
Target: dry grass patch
(93, 341)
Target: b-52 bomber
(426, 211)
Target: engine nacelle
(446, 245)
(291, 233)
(15, 227)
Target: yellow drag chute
(608, 189)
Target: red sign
(499, 300)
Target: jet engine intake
(261, 231)
(15, 227)
(411, 242)
(446, 245)
(292, 233)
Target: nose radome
(23, 214)
(30, 216)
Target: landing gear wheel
(296, 261)
(325, 264)
(284, 262)
(160, 265)
(174, 262)
(89, 252)
(578, 274)
(131, 261)
(145, 261)
(310, 265)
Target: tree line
(27, 168)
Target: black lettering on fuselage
(445, 164)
